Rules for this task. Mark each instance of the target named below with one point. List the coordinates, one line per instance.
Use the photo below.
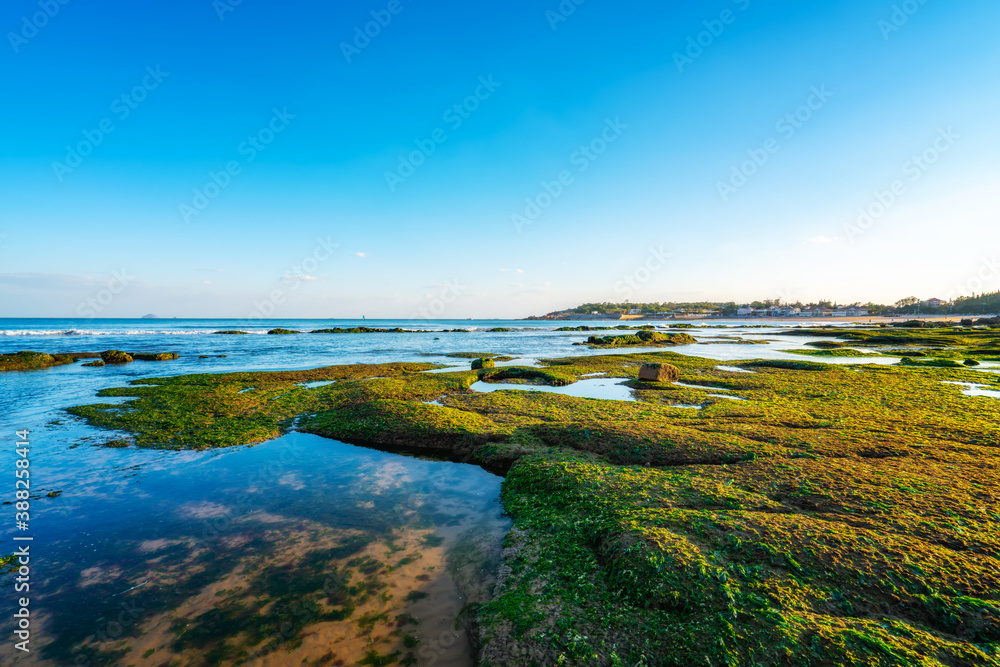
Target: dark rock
(116, 357)
(659, 373)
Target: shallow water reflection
(610, 389)
(301, 550)
(973, 389)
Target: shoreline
(791, 320)
(712, 501)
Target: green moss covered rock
(161, 356)
(642, 339)
(480, 364)
(116, 357)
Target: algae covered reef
(835, 515)
(33, 361)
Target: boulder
(659, 373)
(116, 357)
(480, 364)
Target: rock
(480, 364)
(282, 332)
(970, 362)
(116, 357)
(659, 373)
(97, 363)
(161, 356)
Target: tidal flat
(836, 515)
(840, 513)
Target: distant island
(981, 304)
(150, 317)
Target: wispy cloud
(360, 254)
(49, 280)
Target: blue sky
(719, 151)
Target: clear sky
(201, 159)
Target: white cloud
(300, 277)
(360, 254)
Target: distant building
(934, 303)
(745, 311)
(816, 312)
(851, 311)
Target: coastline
(749, 320)
(631, 506)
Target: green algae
(154, 356)
(31, 361)
(838, 515)
(642, 339)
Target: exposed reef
(835, 516)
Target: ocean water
(143, 557)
